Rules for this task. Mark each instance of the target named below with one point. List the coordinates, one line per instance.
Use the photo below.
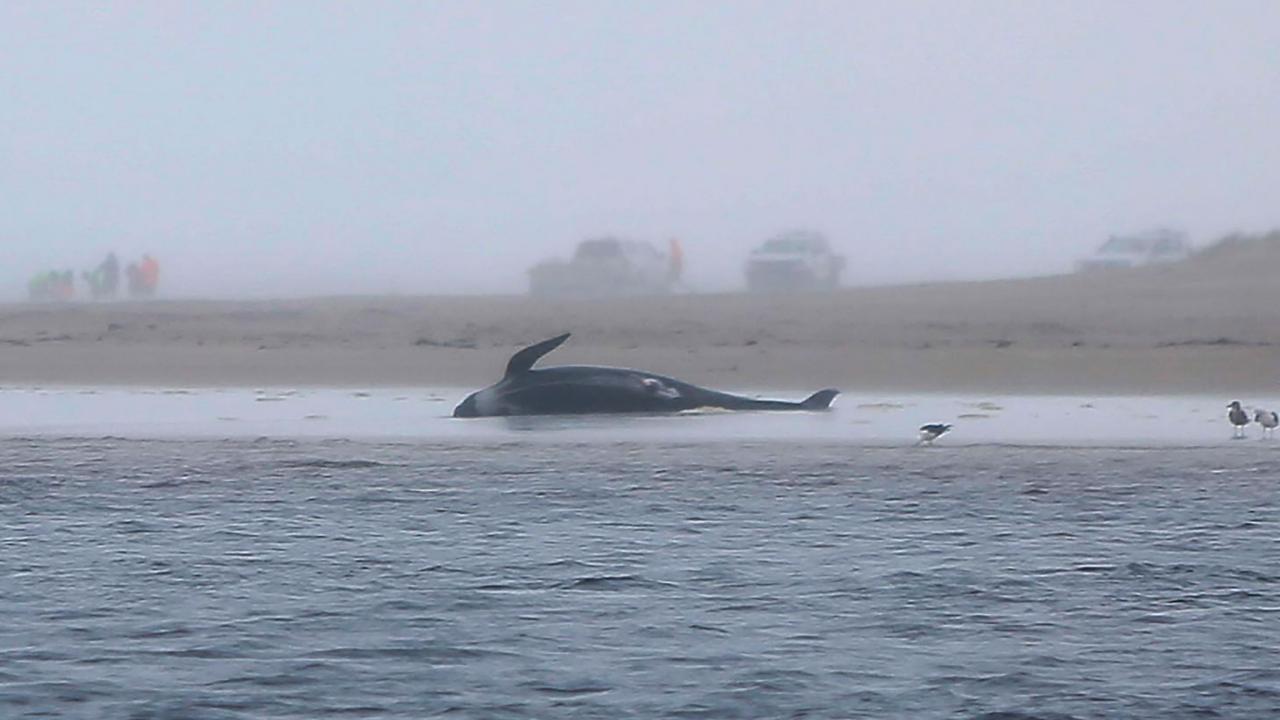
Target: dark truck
(605, 266)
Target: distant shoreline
(1167, 330)
(1099, 373)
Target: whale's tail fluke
(820, 400)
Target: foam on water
(425, 415)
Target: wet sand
(1192, 328)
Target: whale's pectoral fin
(523, 361)
(820, 400)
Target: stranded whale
(578, 389)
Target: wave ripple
(248, 579)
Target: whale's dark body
(582, 389)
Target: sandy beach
(1198, 327)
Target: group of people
(52, 285)
(142, 278)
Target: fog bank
(313, 148)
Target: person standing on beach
(104, 279)
(149, 270)
(675, 262)
(40, 286)
(133, 280)
(65, 285)
(110, 268)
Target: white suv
(1126, 251)
(800, 260)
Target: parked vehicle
(1126, 251)
(801, 260)
(606, 266)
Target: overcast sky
(301, 147)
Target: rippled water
(606, 579)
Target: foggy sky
(301, 147)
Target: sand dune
(1201, 326)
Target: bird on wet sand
(1268, 420)
(931, 432)
(1238, 417)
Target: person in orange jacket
(149, 273)
(675, 262)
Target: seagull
(1238, 417)
(931, 432)
(1268, 420)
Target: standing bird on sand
(1268, 420)
(1238, 417)
(931, 432)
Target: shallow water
(579, 571)
(424, 414)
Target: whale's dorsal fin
(523, 361)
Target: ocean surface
(761, 566)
